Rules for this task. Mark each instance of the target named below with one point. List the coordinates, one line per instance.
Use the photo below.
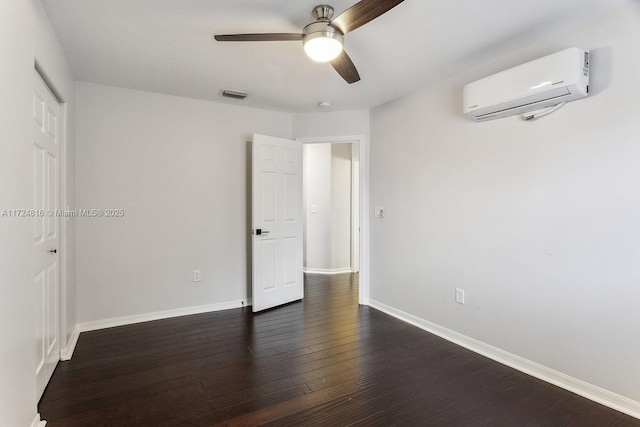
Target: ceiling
(167, 46)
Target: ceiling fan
(323, 39)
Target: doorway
(333, 207)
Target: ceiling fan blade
(265, 37)
(344, 66)
(363, 12)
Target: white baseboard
(157, 315)
(574, 385)
(67, 352)
(37, 422)
(326, 271)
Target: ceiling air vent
(233, 94)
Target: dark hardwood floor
(322, 361)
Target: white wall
(536, 221)
(327, 183)
(331, 123)
(340, 207)
(179, 169)
(317, 192)
(25, 37)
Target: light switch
(314, 209)
(378, 212)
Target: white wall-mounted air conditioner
(548, 81)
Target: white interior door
(277, 222)
(46, 150)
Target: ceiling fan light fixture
(322, 42)
(323, 39)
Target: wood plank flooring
(321, 361)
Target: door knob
(53, 251)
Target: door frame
(363, 144)
(63, 204)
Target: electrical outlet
(460, 296)
(196, 275)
